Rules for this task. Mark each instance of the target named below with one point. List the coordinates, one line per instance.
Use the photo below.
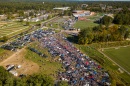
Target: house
(34, 20)
(61, 8)
(118, 9)
(84, 5)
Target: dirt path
(11, 57)
(27, 67)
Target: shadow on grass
(73, 39)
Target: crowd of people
(80, 70)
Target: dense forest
(123, 17)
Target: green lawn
(120, 56)
(84, 24)
(12, 29)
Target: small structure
(14, 72)
(61, 8)
(19, 66)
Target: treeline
(103, 34)
(123, 17)
(15, 7)
(7, 79)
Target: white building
(61, 8)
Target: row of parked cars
(24, 40)
(37, 52)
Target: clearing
(27, 67)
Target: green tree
(85, 36)
(4, 39)
(40, 80)
(21, 13)
(27, 23)
(126, 34)
(5, 76)
(106, 20)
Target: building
(61, 8)
(36, 19)
(80, 13)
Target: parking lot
(80, 70)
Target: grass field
(10, 28)
(120, 55)
(84, 24)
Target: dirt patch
(27, 67)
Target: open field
(121, 55)
(84, 24)
(56, 23)
(27, 67)
(10, 28)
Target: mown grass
(120, 55)
(84, 24)
(48, 65)
(1, 50)
(16, 28)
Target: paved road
(114, 62)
